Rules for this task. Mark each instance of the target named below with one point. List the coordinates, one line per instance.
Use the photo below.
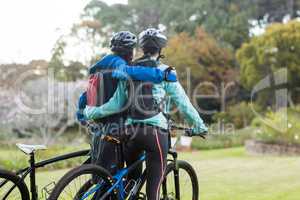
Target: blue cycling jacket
(122, 71)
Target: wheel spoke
(8, 190)
(188, 183)
(79, 182)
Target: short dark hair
(151, 50)
(126, 55)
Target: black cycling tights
(154, 142)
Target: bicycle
(107, 186)
(12, 185)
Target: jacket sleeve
(124, 71)
(114, 105)
(82, 101)
(184, 105)
(141, 73)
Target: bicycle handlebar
(187, 131)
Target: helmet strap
(160, 55)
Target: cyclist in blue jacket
(122, 45)
(146, 121)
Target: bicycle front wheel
(180, 183)
(84, 182)
(12, 187)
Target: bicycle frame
(119, 176)
(119, 181)
(31, 170)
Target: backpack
(101, 87)
(142, 103)
(93, 91)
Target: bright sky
(29, 28)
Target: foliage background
(232, 45)
(226, 43)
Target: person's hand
(170, 75)
(80, 117)
(82, 101)
(200, 131)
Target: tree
(203, 67)
(74, 71)
(278, 48)
(269, 11)
(63, 72)
(226, 20)
(56, 62)
(32, 110)
(10, 73)
(202, 55)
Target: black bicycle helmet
(152, 38)
(123, 41)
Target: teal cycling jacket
(167, 93)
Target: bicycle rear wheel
(12, 187)
(88, 181)
(181, 184)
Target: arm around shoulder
(114, 105)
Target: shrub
(218, 141)
(240, 114)
(282, 126)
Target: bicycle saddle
(28, 149)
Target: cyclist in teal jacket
(122, 46)
(151, 136)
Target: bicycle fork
(177, 185)
(176, 178)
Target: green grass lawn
(230, 174)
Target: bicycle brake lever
(202, 136)
(189, 133)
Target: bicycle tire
(182, 165)
(87, 169)
(17, 181)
